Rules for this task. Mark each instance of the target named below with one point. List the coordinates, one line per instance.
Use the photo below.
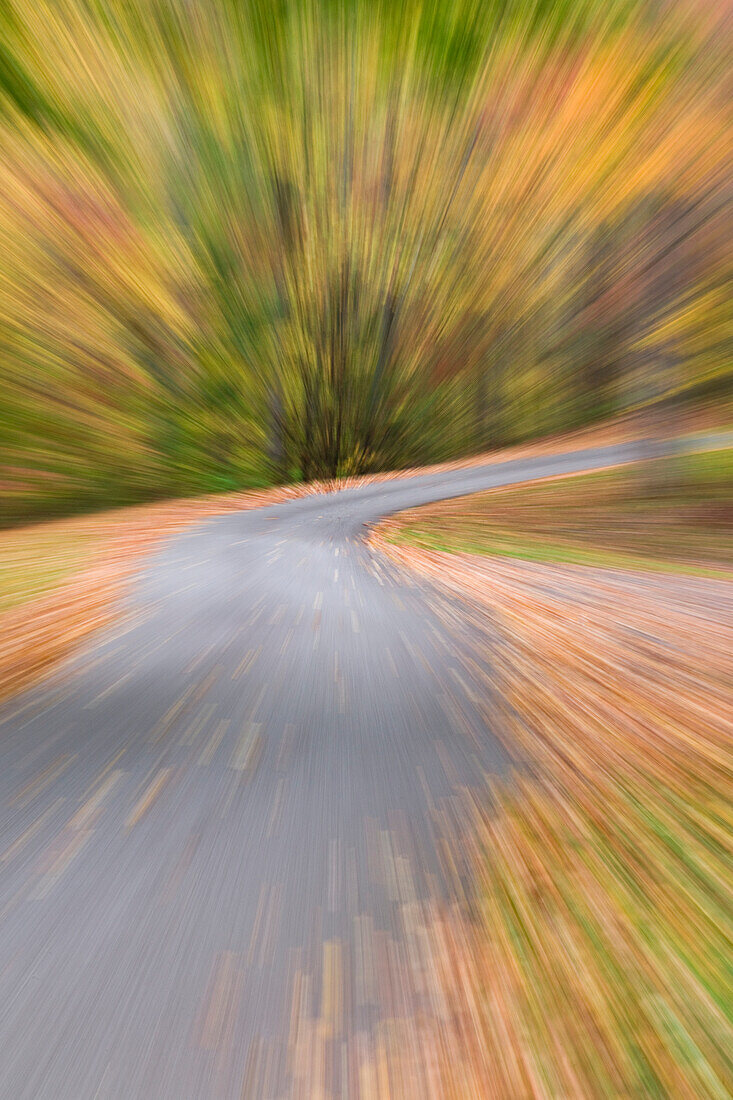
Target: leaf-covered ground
(596, 962)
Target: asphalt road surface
(211, 821)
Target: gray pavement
(232, 791)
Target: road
(224, 805)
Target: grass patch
(670, 514)
(599, 963)
(36, 559)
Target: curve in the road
(249, 768)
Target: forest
(255, 242)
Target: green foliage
(245, 241)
